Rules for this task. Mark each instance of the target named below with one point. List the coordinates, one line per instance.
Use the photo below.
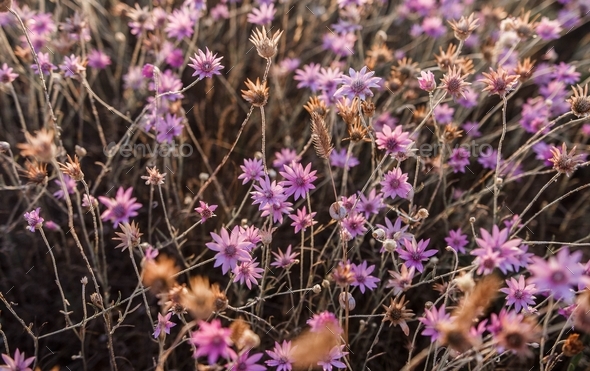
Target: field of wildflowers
(251, 185)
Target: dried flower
(499, 82)
(36, 172)
(40, 146)
(523, 26)
(525, 69)
(580, 101)
(572, 345)
(265, 46)
(200, 299)
(158, 274)
(446, 59)
(257, 94)
(154, 177)
(129, 237)
(397, 314)
(453, 82)
(242, 336)
(564, 162)
(516, 333)
(72, 168)
(315, 104)
(463, 28)
(321, 138)
(405, 69)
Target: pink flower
(414, 253)
(302, 220)
(231, 249)
(18, 363)
(395, 184)
(34, 220)
(247, 272)
(281, 356)
(298, 180)
(244, 363)
(120, 208)
(362, 276)
(393, 141)
(284, 260)
(164, 324)
(205, 211)
(519, 293)
(426, 81)
(205, 64)
(325, 320)
(213, 341)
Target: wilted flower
(397, 314)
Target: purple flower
(457, 240)
(362, 276)
(426, 81)
(45, 63)
(281, 356)
(141, 20)
(98, 59)
(333, 359)
(469, 98)
(371, 204)
(242, 362)
(180, 24)
(558, 274)
(168, 82)
(247, 272)
(488, 158)
(277, 209)
(284, 260)
(518, 293)
(253, 169)
(395, 231)
(341, 44)
(358, 84)
(205, 211)
(205, 64)
(298, 180)
(34, 220)
(72, 66)
(395, 184)
(433, 27)
(267, 193)
(18, 363)
(414, 253)
(213, 341)
(262, 16)
(308, 77)
(251, 234)
(70, 187)
(443, 114)
(302, 220)
(6, 74)
(354, 223)
(134, 80)
(325, 320)
(432, 319)
(120, 208)
(168, 128)
(459, 159)
(328, 81)
(496, 248)
(565, 73)
(42, 24)
(547, 29)
(471, 128)
(402, 281)
(164, 324)
(285, 157)
(342, 159)
(151, 253)
(219, 11)
(393, 141)
(231, 249)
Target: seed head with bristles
(447, 58)
(524, 69)
(257, 93)
(265, 46)
(129, 236)
(580, 101)
(564, 162)
(397, 314)
(321, 138)
(499, 82)
(464, 26)
(36, 172)
(154, 177)
(72, 168)
(40, 146)
(453, 82)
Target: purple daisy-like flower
(247, 272)
(459, 159)
(180, 24)
(253, 169)
(244, 362)
(547, 29)
(519, 293)
(168, 128)
(231, 249)
(251, 234)
(325, 320)
(262, 16)
(277, 210)
(141, 20)
(70, 187)
(432, 320)
(558, 274)
(496, 248)
(395, 231)
(298, 180)
(414, 253)
(354, 223)
(120, 208)
(205, 64)
(362, 276)
(443, 114)
(267, 193)
(302, 220)
(98, 59)
(213, 341)
(34, 220)
(281, 355)
(167, 82)
(18, 363)
(371, 204)
(393, 141)
(395, 183)
(333, 358)
(44, 63)
(358, 84)
(205, 211)
(285, 157)
(342, 159)
(72, 66)
(341, 44)
(457, 240)
(164, 325)
(401, 281)
(308, 77)
(6, 74)
(284, 260)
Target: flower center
(558, 277)
(394, 183)
(230, 250)
(119, 211)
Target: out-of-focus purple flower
(459, 159)
(395, 231)
(333, 358)
(362, 276)
(253, 169)
(302, 220)
(134, 80)
(45, 63)
(558, 274)
(401, 281)
(471, 128)
(281, 355)
(205, 64)
(535, 115)
(547, 29)
(120, 208)
(148, 70)
(433, 27)
(18, 363)
(164, 324)
(6, 74)
(443, 114)
(358, 84)
(355, 224)
(344, 26)
(141, 20)
(519, 293)
(556, 94)
(284, 260)
(324, 320)
(469, 98)
(231, 249)
(565, 73)
(205, 211)
(243, 362)
(308, 77)
(168, 82)
(393, 141)
(285, 157)
(426, 81)
(371, 204)
(213, 341)
(262, 16)
(267, 193)
(328, 81)
(457, 240)
(395, 183)
(432, 320)
(34, 220)
(414, 253)
(286, 66)
(98, 59)
(70, 187)
(298, 180)
(495, 250)
(219, 11)
(251, 234)
(180, 24)
(384, 119)
(248, 272)
(151, 253)
(42, 24)
(341, 44)
(339, 159)
(168, 128)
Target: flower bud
(350, 303)
(337, 211)
(390, 245)
(316, 289)
(379, 234)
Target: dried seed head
(36, 172)
(368, 108)
(96, 299)
(422, 213)
(572, 346)
(451, 133)
(158, 274)
(499, 82)
(321, 138)
(379, 234)
(265, 46)
(129, 236)
(523, 25)
(464, 26)
(390, 245)
(580, 101)
(72, 168)
(221, 301)
(200, 299)
(257, 93)
(397, 314)
(564, 162)
(316, 289)
(348, 110)
(4, 146)
(80, 151)
(40, 146)
(379, 54)
(446, 59)
(154, 177)
(171, 301)
(456, 336)
(465, 65)
(525, 69)
(315, 104)
(405, 69)
(453, 82)
(343, 274)
(337, 210)
(242, 336)
(357, 132)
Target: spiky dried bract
(257, 93)
(40, 146)
(405, 69)
(172, 300)
(200, 299)
(524, 69)
(265, 46)
(447, 58)
(315, 104)
(463, 28)
(5, 5)
(72, 168)
(129, 236)
(357, 132)
(397, 313)
(36, 172)
(465, 65)
(523, 25)
(580, 101)
(499, 82)
(348, 110)
(378, 54)
(321, 138)
(456, 335)
(453, 82)
(451, 133)
(564, 162)
(158, 274)
(572, 345)
(154, 177)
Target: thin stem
(498, 158)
